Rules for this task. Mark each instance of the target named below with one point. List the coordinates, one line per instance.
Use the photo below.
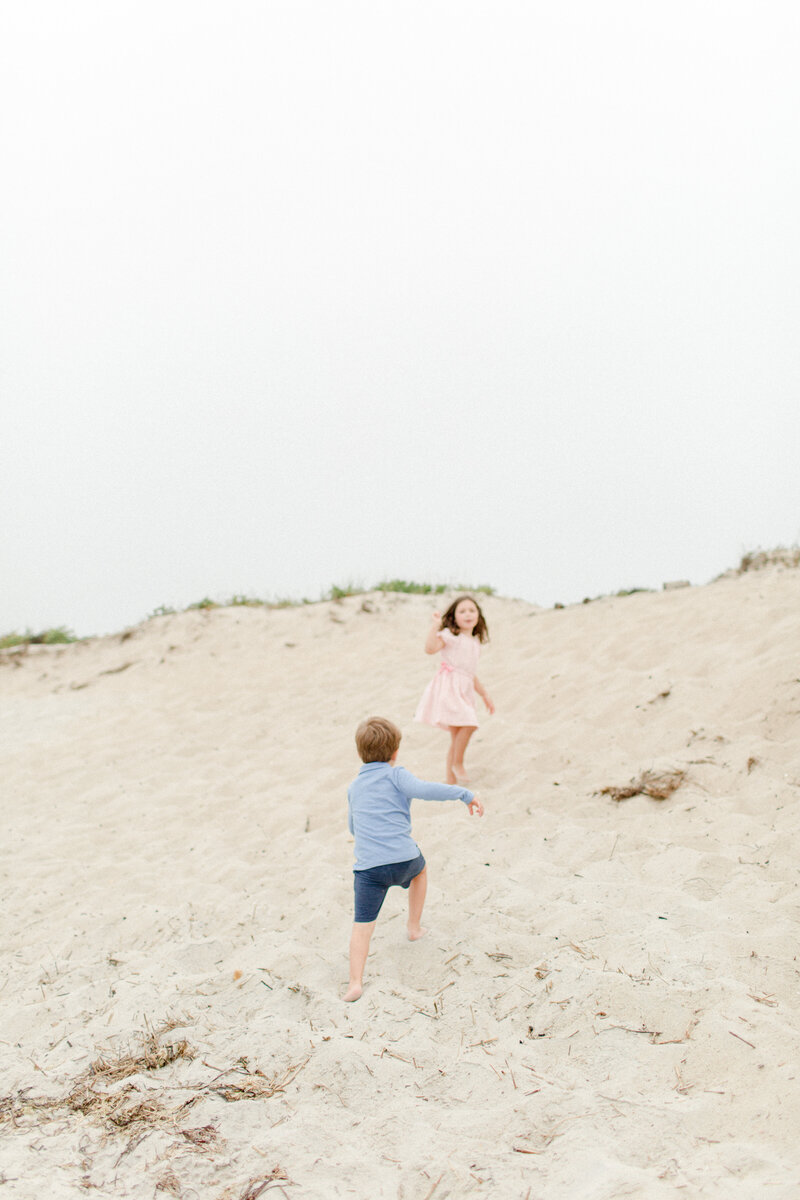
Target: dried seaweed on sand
(658, 785)
(101, 1093)
(257, 1186)
(251, 1085)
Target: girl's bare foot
(460, 774)
(353, 992)
(450, 777)
(414, 935)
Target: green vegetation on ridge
(335, 592)
(48, 637)
(753, 560)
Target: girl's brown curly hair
(480, 631)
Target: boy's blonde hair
(377, 740)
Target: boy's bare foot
(354, 992)
(414, 935)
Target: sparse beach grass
(336, 592)
(753, 560)
(756, 560)
(48, 637)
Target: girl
(449, 699)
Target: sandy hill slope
(607, 1002)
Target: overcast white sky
(300, 293)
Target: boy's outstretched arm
(422, 789)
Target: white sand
(606, 1005)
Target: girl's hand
(434, 642)
(487, 700)
(475, 806)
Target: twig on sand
(581, 950)
(391, 1054)
(741, 1039)
(678, 1040)
(651, 1033)
(433, 1189)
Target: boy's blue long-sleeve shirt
(379, 812)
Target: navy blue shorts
(372, 885)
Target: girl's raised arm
(433, 642)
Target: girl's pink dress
(449, 698)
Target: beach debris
(584, 953)
(251, 1085)
(438, 1009)
(170, 1183)
(539, 1140)
(257, 1186)
(433, 1189)
(97, 1094)
(673, 584)
(204, 1135)
(658, 785)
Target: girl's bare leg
(359, 949)
(460, 742)
(416, 901)
(449, 776)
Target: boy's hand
(475, 806)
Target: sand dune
(607, 1003)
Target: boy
(379, 817)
